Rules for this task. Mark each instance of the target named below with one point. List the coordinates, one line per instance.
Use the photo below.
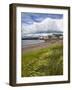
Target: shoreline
(41, 45)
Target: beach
(41, 45)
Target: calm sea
(26, 43)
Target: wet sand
(41, 45)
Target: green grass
(43, 62)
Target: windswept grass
(43, 62)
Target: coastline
(41, 45)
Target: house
(51, 36)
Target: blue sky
(32, 23)
(30, 18)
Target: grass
(43, 62)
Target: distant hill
(39, 34)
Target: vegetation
(43, 62)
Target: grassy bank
(43, 62)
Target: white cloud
(45, 25)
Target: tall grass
(43, 62)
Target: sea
(26, 43)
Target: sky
(32, 23)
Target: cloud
(29, 18)
(46, 25)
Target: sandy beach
(41, 45)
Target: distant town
(44, 37)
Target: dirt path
(41, 45)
